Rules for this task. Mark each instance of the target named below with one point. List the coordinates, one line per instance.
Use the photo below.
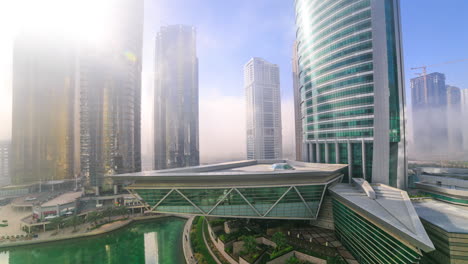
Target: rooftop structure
(447, 227)
(251, 188)
(447, 184)
(381, 215)
(451, 218)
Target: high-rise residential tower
(454, 126)
(176, 133)
(297, 103)
(263, 102)
(4, 162)
(464, 110)
(352, 86)
(429, 113)
(44, 86)
(110, 85)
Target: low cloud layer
(222, 128)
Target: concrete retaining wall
(311, 259)
(220, 246)
(282, 259)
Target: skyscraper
(176, 98)
(263, 102)
(454, 126)
(4, 163)
(44, 86)
(110, 85)
(297, 104)
(429, 108)
(352, 86)
(464, 110)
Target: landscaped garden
(252, 241)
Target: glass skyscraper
(110, 97)
(352, 86)
(44, 85)
(4, 162)
(176, 140)
(263, 109)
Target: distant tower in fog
(4, 163)
(429, 107)
(110, 103)
(43, 120)
(263, 102)
(176, 98)
(464, 110)
(454, 126)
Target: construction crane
(424, 72)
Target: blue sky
(232, 31)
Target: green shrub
(281, 252)
(198, 244)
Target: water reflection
(158, 241)
(151, 248)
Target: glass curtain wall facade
(176, 132)
(451, 247)
(297, 104)
(282, 202)
(263, 102)
(110, 97)
(43, 135)
(367, 242)
(351, 85)
(5, 162)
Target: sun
(87, 21)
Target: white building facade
(263, 109)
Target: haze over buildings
(176, 139)
(4, 162)
(44, 98)
(263, 109)
(352, 88)
(76, 102)
(110, 103)
(429, 106)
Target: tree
(250, 244)
(280, 240)
(122, 210)
(93, 217)
(56, 222)
(73, 221)
(108, 212)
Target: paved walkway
(186, 244)
(208, 245)
(14, 220)
(82, 231)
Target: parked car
(50, 217)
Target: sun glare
(86, 21)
